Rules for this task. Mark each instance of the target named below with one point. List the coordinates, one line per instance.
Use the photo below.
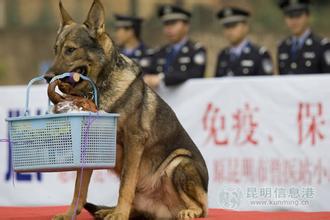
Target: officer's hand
(152, 80)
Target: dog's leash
(90, 121)
(83, 153)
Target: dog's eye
(69, 50)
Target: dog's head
(83, 48)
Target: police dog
(162, 173)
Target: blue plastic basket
(62, 142)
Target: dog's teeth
(81, 71)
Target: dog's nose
(48, 76)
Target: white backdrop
(266, 142)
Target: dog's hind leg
(80, 195)
(188, 183)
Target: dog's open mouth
(78, 86)
(81, 69)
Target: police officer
(303, 52)
(242, 57)
(181, 59)
(128, 38)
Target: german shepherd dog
(162, 173)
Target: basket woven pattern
(63, 141)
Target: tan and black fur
(162, 173)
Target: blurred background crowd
(28, 28)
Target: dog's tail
(92, 209)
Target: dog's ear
(96, 18)
(65, 17)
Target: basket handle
(39, 78)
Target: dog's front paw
(101, 214)
(116, 216)
(62, 217)
(188, 214)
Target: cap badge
(168, 10)
(228, 12)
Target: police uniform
(307, 54)
(141, 54)
(253, 61)
(182, 61)
(246, 59)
